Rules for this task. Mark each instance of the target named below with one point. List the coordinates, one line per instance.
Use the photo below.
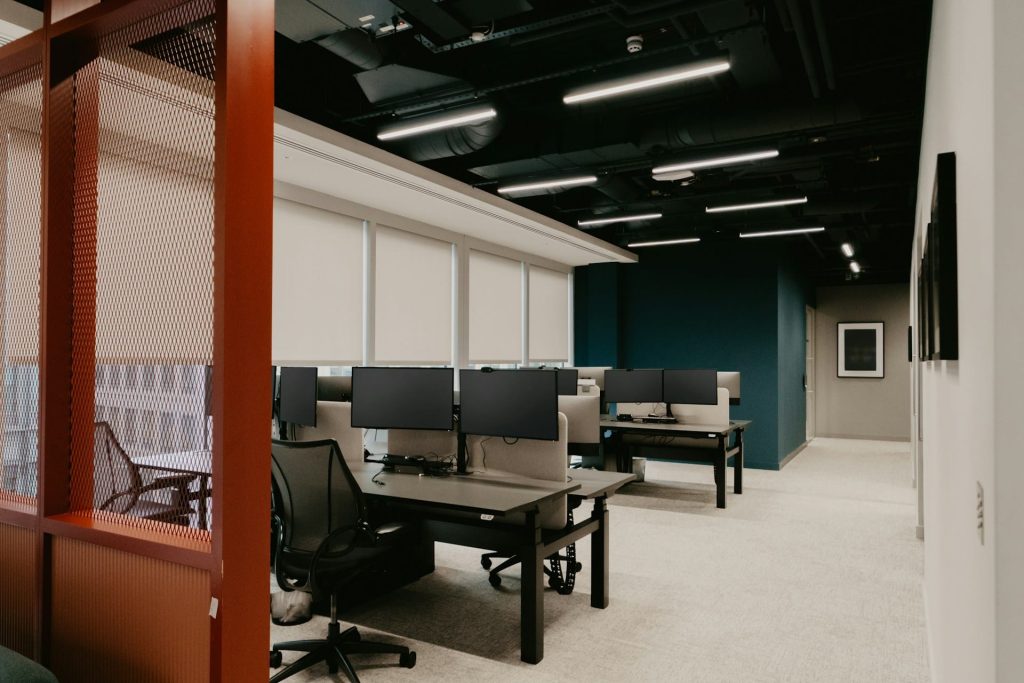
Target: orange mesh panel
(143, 251)
(17, 588)
(21, 96)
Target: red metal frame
(239, 555)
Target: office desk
(717, 435)
(468, 510)
(186, 462)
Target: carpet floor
(813, 574)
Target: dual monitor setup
(695, 387)
(513, 404)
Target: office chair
(546, 460)
(334, 421)
(324, 544)
(119, 485)
(584, 414)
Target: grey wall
(862, 407)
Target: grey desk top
(609, 422)
(476, 492)
(191, 462)
(592, 483)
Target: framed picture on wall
(861, 349)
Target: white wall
(862, 407)
(970, 408)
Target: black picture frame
(939, 266)
(850, 361)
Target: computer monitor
(633, 386)
(694, 387)
(334, 387)
(730, 381)
(297, 404)
(403, 398)
(518, 404)
(567, 378)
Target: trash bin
(639, 467)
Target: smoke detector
(634, 44)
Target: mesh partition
(21, 96)
(143, 275)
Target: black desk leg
(720, 464)
(599, 556)
(531, 618)
(737, 465)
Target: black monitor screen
(632, 386)
(402, 398)
(298, 396)
(691, 386)
(519, 404)
(567, 379)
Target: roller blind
(549, 315)
(495, 309)
(413, 300)
(318, 286)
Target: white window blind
(549, 315)
(495, 309)
(413, 300)
(318, 286)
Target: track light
(659, 243)
(619, 219)
(847, 249)
(777, 233)
(716, 161)
(756, 205)
(649, 80)
(432, 123)
(545, 184)
(854, 266)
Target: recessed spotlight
(430, 123)
(715, 161)
(854, 266)
(546, 184)
(368, 17)
(779, 233)
(659, 243)
(818, 139)
(646, 81)
(847, 249)
(756, 205)
(619, 219)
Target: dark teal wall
(792, 328)
(715, 306)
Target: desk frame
(719, 457)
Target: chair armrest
(361, 531)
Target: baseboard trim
(796, 452)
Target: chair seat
(154, 509)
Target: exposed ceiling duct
(355, 46)
(449, 142)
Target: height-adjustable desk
(717, 437)
(469, 511)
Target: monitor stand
(461, 455)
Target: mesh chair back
(316, 493)
(114, 474)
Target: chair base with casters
(562, 581)
(335, 649)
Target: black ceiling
(837, 86)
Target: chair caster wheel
(555, 583)
(485, 562)
(577, 567)
(408, 660)
(494, 580)
(564, 590)
(275, 659)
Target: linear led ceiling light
(659, 243)
(776, 233)
(652, 79)
(756, 205)
(431, 123)
(619, 219)
(847, 249)
(854, 266)
(546, 184)
(716, 161)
